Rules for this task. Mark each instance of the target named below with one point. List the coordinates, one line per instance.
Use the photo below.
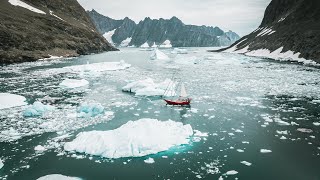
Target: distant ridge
(156, 32)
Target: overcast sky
(241, 16)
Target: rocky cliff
(290, 30)
(166, 32)
(35, 29)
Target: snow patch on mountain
(25, 5)
(108, 36)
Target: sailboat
(182, 100)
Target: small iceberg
(73, 83)
(11, 100)
(37, 109)
(133, 139)
(39, 148)
(145, 45)
(90, 110)
(1, 164)
(166, 44)
(158, 55)
(148, 87)
(58, 177)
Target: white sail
(183, 92)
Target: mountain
(35, 29)
(165, 32)
(290, 30)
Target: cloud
(241, 16)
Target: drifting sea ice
(158, 55)
(133, 139)
(179, 51)
(73, 83)
(98, 67)
(1, 164)
(148, 87)
(37, 109)
(58, 177)
(149, 161)
(90, 110)
(11, 100)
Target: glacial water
(248, 106)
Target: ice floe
(179, 51)
(11, 100)
(37, 109)
(148, 87)
(58, 177)
(304, 130)
(90, 110)
(149, 161)
(1, 164)
(133, 139)
(265, 151)
(316, 123)
(74, 83)
(232, 172)
(158, 55)
(25, 5)
(246, 163)
(39, 148)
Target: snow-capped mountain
(32, 30)
(290, 30)
(160, 32)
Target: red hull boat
(186, 102)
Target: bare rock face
(291, 24)
(157, 31)
(63, 29)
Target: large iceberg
(37, 109)
(90, 110)
(148, 87)
(134, 139)
(157, 54)
(99, 67)
(11, 100)
(58, 177)
(73, 83)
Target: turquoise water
(245, 104)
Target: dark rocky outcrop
(64, 30)
(296, 26)
(159, 30)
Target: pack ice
(148, 87)
(37, 109)
(133, 139)
(11, 100)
